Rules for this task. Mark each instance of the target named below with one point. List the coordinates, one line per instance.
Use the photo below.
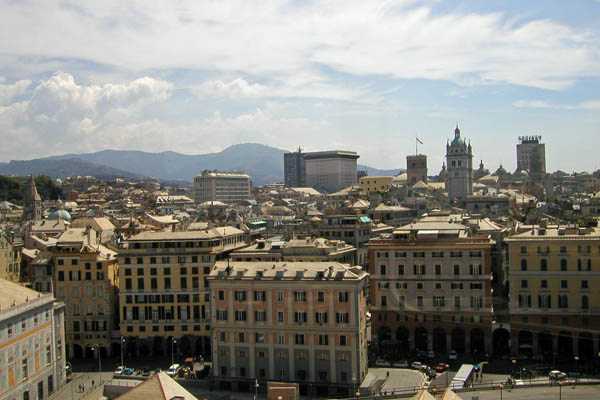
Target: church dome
(457, 141)
(60, 213)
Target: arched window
(544, 265)
(585, 302)
(563, 264)
(523, 265)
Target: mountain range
(263, 163)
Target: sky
(367, 76)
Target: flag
(419, 140)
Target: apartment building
(375, 184)
(86, 279)
(298, 249)
(32, 340)
(554, 305)
(228, 187)
(10, 257)
(355, 230)
(164, 292)
(294, 169)
(302, 322)
(430, 289)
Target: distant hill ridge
(263, 163)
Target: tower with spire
(459, 161)
(32, 203)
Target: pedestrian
(93, 383)
(83, 387)
(481, 376)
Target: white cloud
(235, 89)
(586, 105)
(61, 114)
(292, 41)
(9, 90)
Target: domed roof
(60, 214)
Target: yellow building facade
(554, 307)
(375, 184)
(164, 302)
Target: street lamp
(446, 366)
(577, 377)
(255, 389)
(560, 390)
(514, 362)
(354, 382)
(501, 387)
(173, 341)
(99, 364)
(122, 349)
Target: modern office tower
(294, 169)
(32, 343)
(416, 169)
(331, 171)
(303, 322)
(227, 187)
(459, 161)
(531, 155)
(164, 303)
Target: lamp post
(122, 349)
(514, 362)
(560, 390)
(255, 389)
(501, 386)
(354, 382)
(446, 366)
(577, 377)
(173, 341)
(99, 364)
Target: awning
(364, 219)
(189, 360)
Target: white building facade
(459, 159)
(331, 171)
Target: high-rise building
(303, 322)
(459, 161)
(294, 169)
(227, 187)
(331, 171)
(531, 155)
(32, 343)
(416, 169)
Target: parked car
(128, 371)
(146, 371)
(119, 370)
(440, 367)
(400, 364)
(452, 355)
(382, 363)
(416, 365)
(557, 375)
(172, 371)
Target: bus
(463, 377)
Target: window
(456, 285)
(475, 269)
(438, 285)
(564, 284)
(48, 354)
(420, 301)
(259, 295)
(544, 301)
(419, 285)
(543, 265)
(563, 264)
(544, 284)
(300, 338)
(476, 302)
(438, 269)
(524, 284)
(241, 339)
(321, 297)
(240, 295)
(584, 284)
(260, 337)
(585, 302)
(260, 316)
(299, 296)
(321, 317)
(343, 340)
(382, 269)
(341, 318)
(524, 300)
(419, 269)
(457, 302)
(523, 265)
(240, 315)
(221, 315)
(323, 340)
(456, 270)
(281, 340)
(221, 295)
(401, 302)
(438, 301)
(476, 285)
(563, 301)
(279, 296)
(523, 250)
(300, 317)
(280, 316)
(343, 297)
(24, 370)
(400, 269)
